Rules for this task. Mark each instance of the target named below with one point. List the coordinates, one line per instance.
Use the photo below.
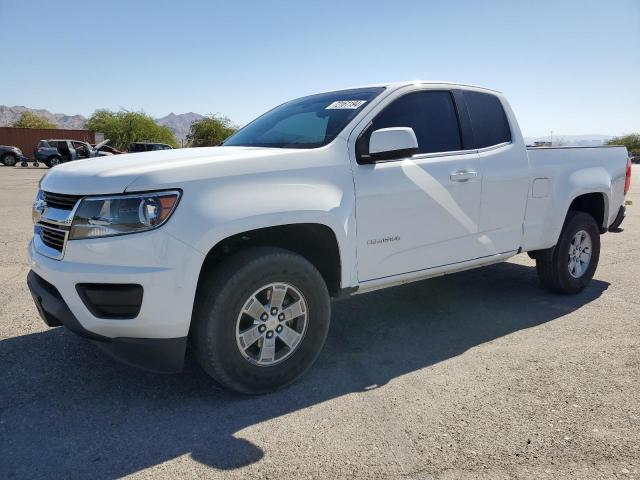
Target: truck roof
(431, 82)
(62, 140)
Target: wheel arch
(316, 242)
(587, 190)
(595, 204)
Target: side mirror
(392, 143)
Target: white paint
(392, 139)
(433, 223)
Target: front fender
(210, 214)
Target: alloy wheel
(579, 256)
(272, 323)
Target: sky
(568, 66)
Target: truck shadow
(66, 410)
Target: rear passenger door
(505, 165)
(418, 212)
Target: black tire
(52, 161)
(553, 264)
(224, 292)
(9, 159)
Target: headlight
(120, 214)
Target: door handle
(463, 175)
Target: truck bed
(560, 174)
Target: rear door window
(488, 119)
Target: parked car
(9, 156)
(148, 147)
(240, 247)
(54, 152)
(109, 149)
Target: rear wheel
(9, 159)
(52, 161)
(570, 265)
(261, 319)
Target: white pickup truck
(238, 249)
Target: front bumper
(164, 355)
(165, 268)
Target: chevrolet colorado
(238, 249)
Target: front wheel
(261, 319)
(570, 265)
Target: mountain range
(178, 123)
(8, 115)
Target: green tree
(209, 131)
(124, 127)
(631, 141)
(31, 120)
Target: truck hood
(161, 169)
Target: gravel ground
(480, 374)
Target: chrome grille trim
(60, 200)
(57, 216)
(52, 237)
(53, 223)
(50, 240)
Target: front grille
(60, 200)
(53, 237)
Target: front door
(419, 212)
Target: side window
(431, 115)
(488, 120)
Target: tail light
(627, 182)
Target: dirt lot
(481, 374)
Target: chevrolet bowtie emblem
(39, 207)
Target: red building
(26, 139)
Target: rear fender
(567, 189)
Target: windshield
(307, 122)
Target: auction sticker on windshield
(346, 104)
